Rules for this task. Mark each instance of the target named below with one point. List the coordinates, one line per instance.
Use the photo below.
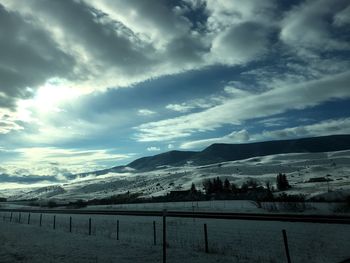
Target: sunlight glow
(52, 94)
(49, 98)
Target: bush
(78, 204)
(51, 204)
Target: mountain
(172, 158)
(221, 152)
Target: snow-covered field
(299, 168)
(229, 240)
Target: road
(327, 219)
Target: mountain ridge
(222, 152)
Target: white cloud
(7, 126)
(171, 146)
(240, 44)
(56, 161)
(236, 92)
(272, 122)
(153, 20)
(234, 137)
(153, 149)
(194, 104)
(234, 111)
(306, 29)
(210, 101)
(179, 107)
(342, 18)
(145, 112)
(326, 127)
(224, 13)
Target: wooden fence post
(154, 233)
(11, 217)
(286, 245)
(90, 226)
(117, 229)
(54, 222)
(28, 218)
(164, 236)
(206, 238)
(41, 219)
(70, 224)
(19, 217)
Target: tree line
(217, 186)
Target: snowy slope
(300, 168)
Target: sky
(91, 84)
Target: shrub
(51, 204)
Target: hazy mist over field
(90, 84)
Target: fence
(268, 239)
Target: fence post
(40, 220)
(11, 217)
(54, 222)
(206, 238)
(154, 233)
(70, 224)
(28, 218)
(90, 226)
(164, 236)
(19, 217)
(117, 229)
(286, 245)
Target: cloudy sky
(90, 84)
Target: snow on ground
(26, 243)
(229, 240)
(299, 168)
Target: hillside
(171, 158)
(231, 152)
(221, 152)
(304, 171)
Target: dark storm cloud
(28, 57)
(107, 41)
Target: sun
(50, 96)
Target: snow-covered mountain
(221, 152)
(300, 168)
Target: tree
(218, 185)
(208, 186)
(282, 182)
(193, 189)
(252, 183)
(227, 186)
(269, 188)
(244, 187)
(234, 188)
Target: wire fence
(239, 240)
